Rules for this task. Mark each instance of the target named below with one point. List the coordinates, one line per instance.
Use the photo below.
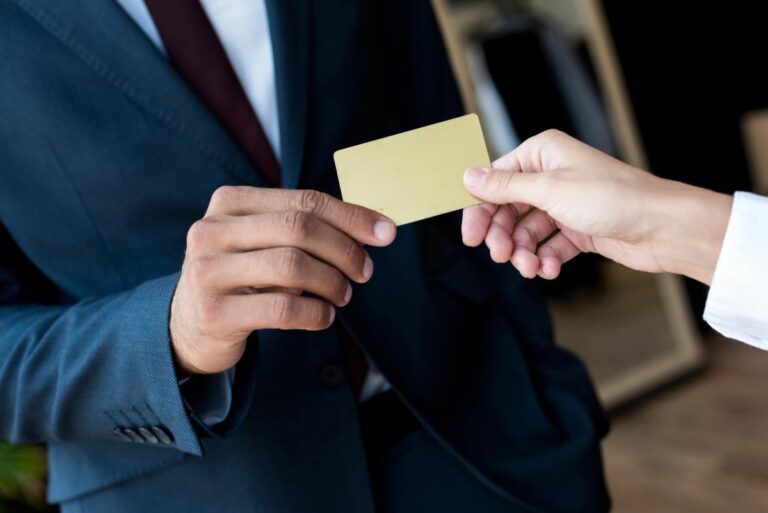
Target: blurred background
(675, 87)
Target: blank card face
(414, 175)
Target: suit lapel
(107, 39)
(289, 25)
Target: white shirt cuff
(737, 304)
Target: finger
(521, 208)
(296, 229)
(532, 229)
(525, 262)
(554, 253)
(360, 223)
(475, 222)
(501, 187)
(528, 232)
(499, 238)
(246, 313)
(276, 267)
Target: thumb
(500, 187)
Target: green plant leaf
(22, 473)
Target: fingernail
(383, 230)
(473, 177)
(333, 315)
(367, 268)
(348, 294)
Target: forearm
(686, 228)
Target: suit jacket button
(164, 436)
(147, 435)
(133, 435)
(118, 433)
(331, 374)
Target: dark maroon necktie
(197, 54)
(195, 51)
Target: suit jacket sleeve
(74, 372)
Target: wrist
(184, 366)
(688, 229)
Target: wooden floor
(699, 447)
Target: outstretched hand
(554, 197)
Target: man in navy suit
(192, 321)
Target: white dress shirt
(242, 27)
(737, 305)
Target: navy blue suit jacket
(107, 158)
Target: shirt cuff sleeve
(209, 397)
(737, 304)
